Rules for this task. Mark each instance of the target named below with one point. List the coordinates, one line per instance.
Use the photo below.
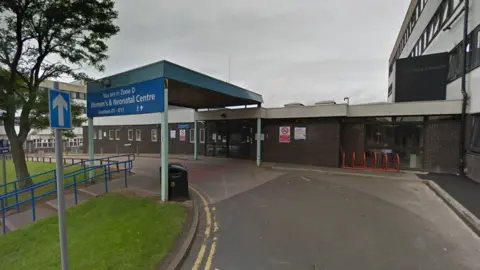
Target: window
(154, 135)
(50, 143)
(436, 25)
(476, 49)
(454, 68)
(130, 134)
(94, 135)
(202, 135)
(444, 118)
(138, 134)
(475, 143)
(44, 143)
(110, 134)
(403, 138)
(478, 39)
(444, 12)
(81, 96)
(117, 134)
(390, 90)
(192, 134)
(100, 134)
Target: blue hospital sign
(138, 98)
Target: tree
(32, 31)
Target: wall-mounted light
(223, 115)
(347, 99)
(106, 83)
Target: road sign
(138, 98)
(60, 109)
(4, 146)
(284, 135)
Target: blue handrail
(34, 189)
(83, 163)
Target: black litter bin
(177, 182)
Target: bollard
(16, 196)
(4, 229)
(33, 204)
(105, 178)
(125, 175)
(75, 189)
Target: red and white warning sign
(182, 135)
(284, 133)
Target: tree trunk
(18, 156)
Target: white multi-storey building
(436, 26)
(427, 63)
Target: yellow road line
(201, 253)
(208, 265)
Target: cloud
(287, 50)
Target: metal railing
(18, 195)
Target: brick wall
(353, 140)
(321, 147)
(145, 145)
(473, 166)
(472, 159)
(441, 152)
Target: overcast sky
(286, 50)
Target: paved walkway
(462, 189)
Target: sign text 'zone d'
(139, 98)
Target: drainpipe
(464, 91)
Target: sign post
(164, 184)
(259, 141)
(4, 149)
(60, 118)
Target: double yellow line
(210, 226)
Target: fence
(18, 194)
(384, 162)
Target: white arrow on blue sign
(60, 109)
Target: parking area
(260, 218)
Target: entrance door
(217, 140)
(240, 140)
(232, 139)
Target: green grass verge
(110, 232)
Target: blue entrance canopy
(187, 88)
